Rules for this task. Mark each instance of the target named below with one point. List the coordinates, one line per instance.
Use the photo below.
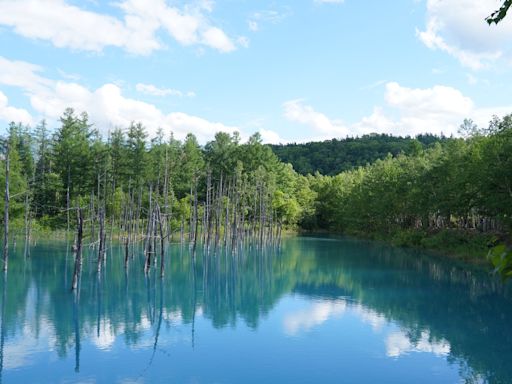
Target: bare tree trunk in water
(92, 216)
(101, 248)
(26, 224)
(162, 241)
(191, 216)
(182, 229)
(68, 205)
(147, 247)
(78, 250)
(196, 221)
(6, 210)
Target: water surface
(319, 310)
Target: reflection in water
(320, 311)
(411, 305)
(399, 343)
(316, 314)
(2, 326)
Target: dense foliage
(462, 185)
(75, 166)
(331, 157)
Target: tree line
(452, 192)
(217, 193)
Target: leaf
(501, 258)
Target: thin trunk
(148, 250)
(68, 198)
(92, 216)
(6, 210)
(27, 229)
(190, 234)
(78, 250)
(137, 219)
(226, 216)
(218, 211)
(182, 229)
(101, 250)
(166, 193)
(162, 242)
(196, 222)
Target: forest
(331, 157)
(454, 195)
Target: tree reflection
(441, 308)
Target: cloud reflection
(315, 315)
(398, 343)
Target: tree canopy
(500, 13)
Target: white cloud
(21, 74)
(153, 90)
(9, 114)
(68, 26)
(438, 110)
(438, 100)
(216, 38)
(107, 106)
(406, 111)
(297, 111)
(270, 137)
(271, 16)
(458, 28)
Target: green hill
(331, 157)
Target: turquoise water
(320, 310)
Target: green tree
(72, 155)
(499, 14)
(136, 156)
(18, 185)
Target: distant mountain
(331, 157)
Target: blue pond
(318, 310)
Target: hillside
(331, 157)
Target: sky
(292, 70)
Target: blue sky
(293, 70)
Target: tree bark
(78, 250)
(6, 210)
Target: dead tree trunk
(166, 194)
(68, 205)
(78, 250)
(101, 248)
(92, 215)
(162, 242)
(6, 210)
(148, 249)
(129, 229)
(27, 229)
(196, 221)
(190, 234)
